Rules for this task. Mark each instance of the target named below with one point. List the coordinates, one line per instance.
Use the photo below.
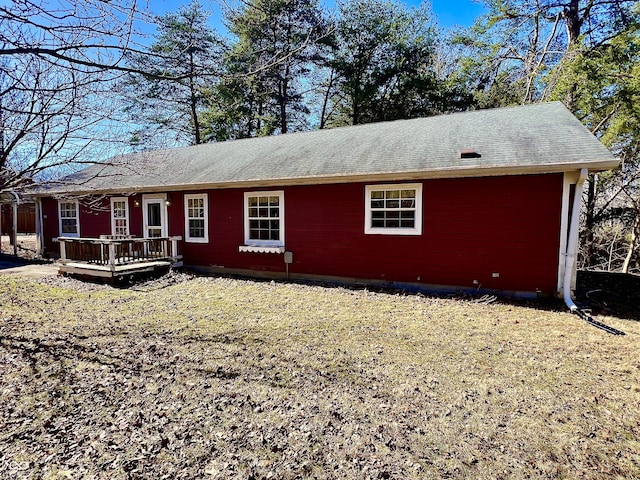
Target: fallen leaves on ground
(192, 377)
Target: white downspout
(570, 261)
(572, 243)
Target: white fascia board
(449, 172)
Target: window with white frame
(119, 216)
(264, 218)
(196, 218)
(68, 215)
(393, 209)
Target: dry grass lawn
(219, 378)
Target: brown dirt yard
(191, 377)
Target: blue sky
(449, 13)
(456, 12)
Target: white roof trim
(452, 172)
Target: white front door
(154, 215)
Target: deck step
(105, 271)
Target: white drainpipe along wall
(572, 241)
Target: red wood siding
(95, 217)
(95, 220)
(50, 226)
(472, 228)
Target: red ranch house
(479, 201)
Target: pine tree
(382, 64)
(186, 51)
(276, 43)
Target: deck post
(174, 248)
(63, 251)
(112, 256)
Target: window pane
(263, 214)
(68, 210)
(69, 225)
(196, 228)
(393, 194)
(121, 227)
(199, 212)
(119, 209)
(393, 208)
(119, 216)
(153, 214)
(408, 194)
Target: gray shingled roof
(527, 139)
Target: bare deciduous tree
(57, 61)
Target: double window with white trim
(264, 220)
(69, 214)
(394, 209)
(196, 218)
(119, 216)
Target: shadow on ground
(25, 267)
(609, 293)
(12, 261)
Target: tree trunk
(196, 121)
(194, 101)
(572, 21)
(283, 106)
(259, 119)
(632, 243)
(325, 100)
(355, 107)
(590, 217)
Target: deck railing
(111, 251)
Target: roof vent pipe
(570, 259)
(469, 153)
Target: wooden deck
(116, 257)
